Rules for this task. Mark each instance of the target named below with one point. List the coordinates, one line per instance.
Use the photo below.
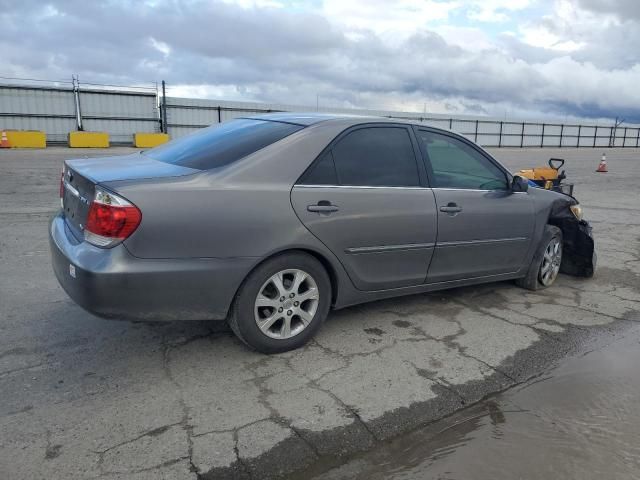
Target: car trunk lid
(81, 176)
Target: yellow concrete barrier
(26, 138)
(149, 140)
(88, 139)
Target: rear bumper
(112, 283)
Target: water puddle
(580, 421)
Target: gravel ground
(82, 397)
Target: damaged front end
(579, 255)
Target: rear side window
(222, 144)
(375, 156)
(323, 172)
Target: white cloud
(246, 4)
(162, 47)
(469, 38)
(391, 20)
(540, 36)
(569, 60)
(495, 10)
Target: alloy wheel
(551, 261)
(286, 304)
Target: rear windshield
(221, 144)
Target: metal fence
(187, 115)
(121, 113)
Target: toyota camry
(271, 221)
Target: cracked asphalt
(82, 397)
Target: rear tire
(545, 264)
(282, 303)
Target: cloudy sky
(513, 58)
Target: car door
(484, 228)
(365, 198)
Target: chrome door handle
(451, 208)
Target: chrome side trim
(465, 190)
(389, 248)
(473, 190)
(74, 191)
(360, 187)
(480, 242)
(402, 188)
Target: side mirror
(519, 184)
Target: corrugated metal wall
(119, 113)
(48, 109)
(123, 113)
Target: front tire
(282, 303)
(546, 262)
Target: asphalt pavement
(82, 397)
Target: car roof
(345, 120)
(307, 119)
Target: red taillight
(111, 219)
(113, 222)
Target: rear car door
(484, 229)
(366, 199)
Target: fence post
(76, 98)
(542, 139)
(219, 114)
(165, 127)
(595, 135)
(475, 138)
(451, 124)
(500, 136)
(611, 133)
(522, 136)
(624, 139)
(159, 108)
(561, 132)
(638, 137)
(579, 130)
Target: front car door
(366, 199)
(484, 229)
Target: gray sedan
(271, 221)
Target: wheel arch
(579, 257)
(334, 280)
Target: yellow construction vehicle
(549, 178)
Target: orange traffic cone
(4, 142)
(602, 166)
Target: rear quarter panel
(185, 219)
(243, 210)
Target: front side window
(457, 165)
(376, 156)
(222, 144)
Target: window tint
(323, 172)
(376, 156)
(457, 165)
(221, 144)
